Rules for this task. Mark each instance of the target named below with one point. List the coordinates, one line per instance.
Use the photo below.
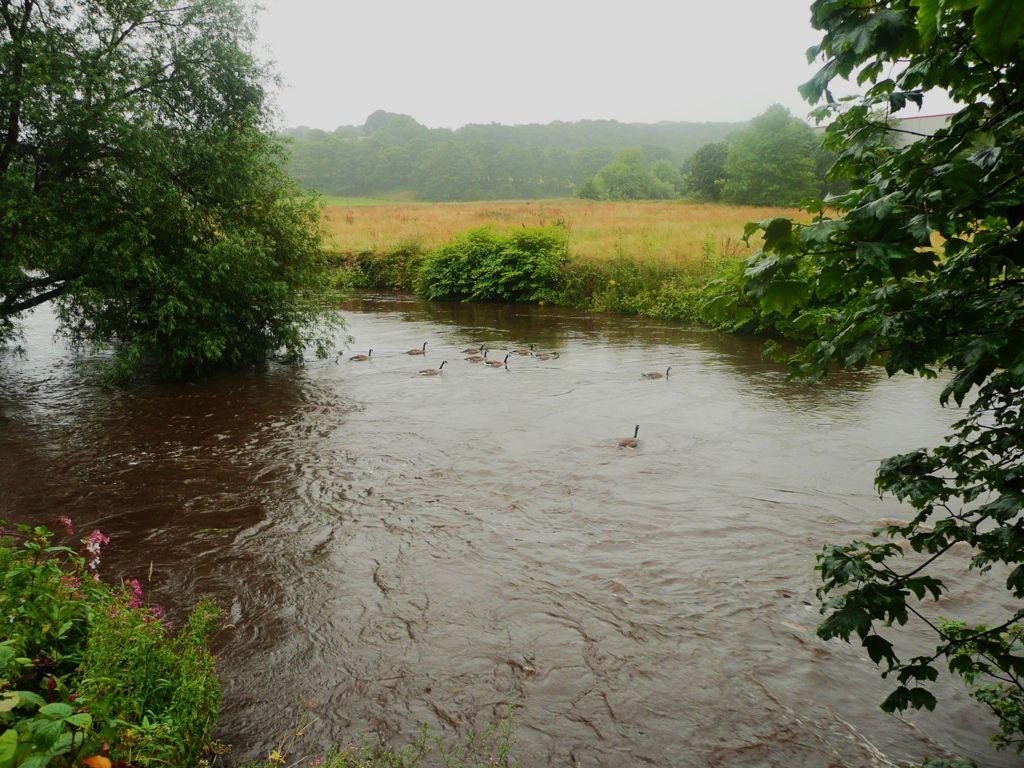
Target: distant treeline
(392, 154)
(776, 159)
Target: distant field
(663, 231)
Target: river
(391, 549)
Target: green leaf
(777, 232)
(879, 648)
(999, 25)
(28, 697)
(927, 19)
(785, 296)
(45, 732)
(919, 698)
(961, 665)
(8, 748)
(80, 720)
(761, 265)
(898, 700)
(8, 701)
(58, 710)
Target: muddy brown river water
(391, 549)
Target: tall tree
(921, 265)
(772, 161)
(629, 177)
(140, 187)
(705, 171)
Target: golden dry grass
(667, 232)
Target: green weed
(88, 670)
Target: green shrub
(647, 287)
(481, 265)
(396, 269)
(728, 303)
(86, 668)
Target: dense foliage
(394, 154)
(921, 265)
(773, 161)
(140, 188)
(631, 176)
(482, 265)
(704, 172)
(89, 670)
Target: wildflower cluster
(89, 673)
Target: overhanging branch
(8, 308)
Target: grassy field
(670, 233)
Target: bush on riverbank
(91, 674)
(532, 266)
(394, 270)
(481, 265)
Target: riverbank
(666, 261)
(621, 284)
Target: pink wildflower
(66, 522)
(136, 589)
(95, 541)
(157, 612)
(318, 761)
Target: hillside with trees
(776, 159)
(393, 154)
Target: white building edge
(907, 130)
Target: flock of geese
(473, 355)
(478, 354)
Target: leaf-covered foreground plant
(91, 674)
(921, 266)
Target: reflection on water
(396, 549)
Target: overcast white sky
(452, 62)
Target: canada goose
(496, 364)
(473, 350)
(475, 358)
(630, 442)
(656, 375)
(421, 351)
(524, 351)
(360, 358)
(547, 355)
(432, 371)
